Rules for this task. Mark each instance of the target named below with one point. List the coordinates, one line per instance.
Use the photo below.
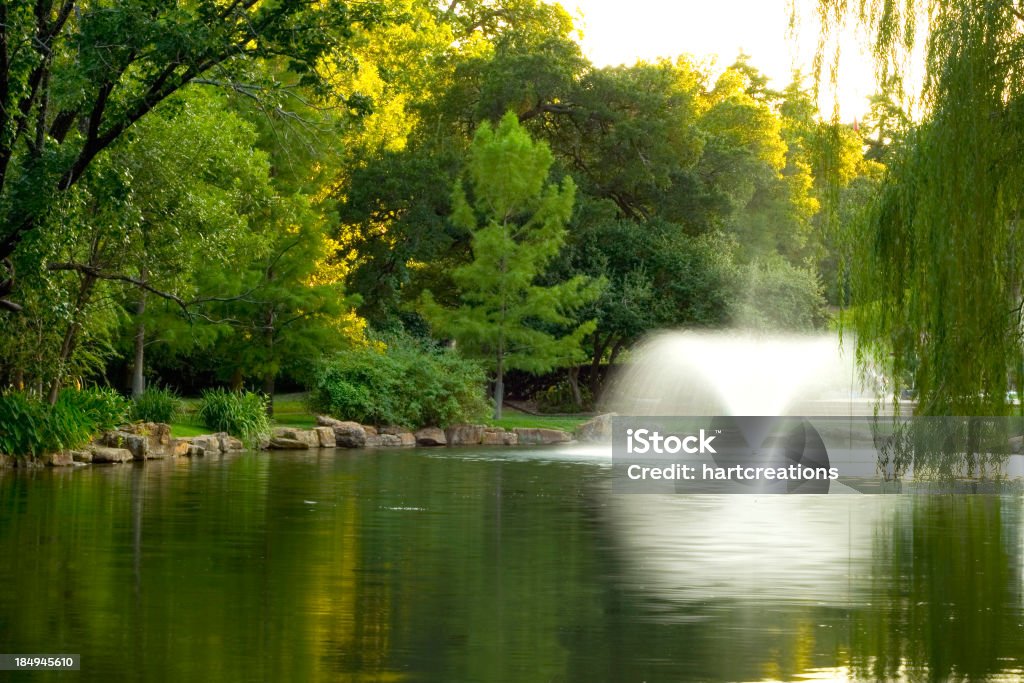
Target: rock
(113, 439)
(390, 440)
(230, 443)
(326, 436)
(431, 436)
(283, 443)
(493, 436)
(210, 443)
(596, 428)
(349, 435)
(373, 441)
(370, 431)
(406, 437)
(179, 448)
(324, 421)
(138, 445)
(510, 439)
(464, 435)
(6, 461)
(541, 437)
(110, 454)
(194, 451)
(156, 434)
(81, 456)
(306, 436)
(1017, 444)
(60, 459)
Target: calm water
(465, 566)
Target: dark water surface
(476, 565)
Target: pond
(495, 565)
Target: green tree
(75, 76)
(517, 219)
(937, 275)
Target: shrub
(157, 404)
(409, 383)
(106, 408)
(239, 413)
(30, 427)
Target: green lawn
(290, 411)
(512, 418)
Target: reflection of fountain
(732, 373)
(771, 548)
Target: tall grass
(242, 414)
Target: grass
(290, 411)
(511, 419)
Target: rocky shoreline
(153, 441)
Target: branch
(184, 305)
(546, 108)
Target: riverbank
(304, 431)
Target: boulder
(110, 454)
(210, 443)
(493, 436)
(306, 436)
(349, 435)
(59, 459)
(406, 437)
(113, 439)
(138, 445)
(1017, 444)
(465, 435)
(431, 436)
(194, 451)
(596, 428)
(81, 456)
(324, 421)
(283, 443)
(230, 443)
(370, 431)
(510, 439)
(384, 441)
(540, 436)
(157, 436)
(326, 436)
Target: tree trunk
(594, 381)
(268, 374)
(499, 387)
(236, 380)
(138, 376)
(268, 389)
(574, 385)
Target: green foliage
(779, 296)
(239, 413)
(408, 383)
(936, 267)
(30, 426)
(559, 398)
(157, 404)
(517, 221)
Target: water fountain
(789, 548)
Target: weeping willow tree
(936, 264)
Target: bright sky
(620, 32)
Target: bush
(157, 404)
(239, 413)
(409, 384)
(30, 426)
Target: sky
(621, 32)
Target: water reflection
(465, 566)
